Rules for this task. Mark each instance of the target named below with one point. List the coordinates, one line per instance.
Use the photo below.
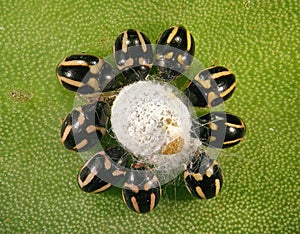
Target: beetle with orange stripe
(203, 176)
(174, 52)
(211, 86)
(85, 126)
(220, 129)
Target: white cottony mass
(151, 121)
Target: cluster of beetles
(135, 59)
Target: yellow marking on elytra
(205, 83)
(81, 117)
(213, 126)
(97, 67)
(150, 183)
(135, 205)
(147, 186)
(232, 142)
(218, 186)
(189, 40)
(118, 173)
(103, 188)
(124, 42)
(172, 34)
(198, 177)
(180, 60)
(152, 201)
(212, 138)
(107, 163)
(208, 68)
(210, 171)
(87, 180)
(188, 188)
(143, 43)
(81, 144)
(221, 74)
(123, 196)
(77, 62)
(129, 62)
(143, 62)
(235, 125)
(90, 129)
(168, 55)
(93, 83)
(186, 174)
(70, 81)
(66, 133)
(200, 192)
(215, 163)
(227, 91)
(211, 97)
(160, 190)
(243, 124)
(132, 187)
(102, 130)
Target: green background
(257, 40)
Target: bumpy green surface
(258, 40)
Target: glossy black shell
(221, 129)
(133, 55)
(211, 87)
(103, 170)
(86, 74)
(141, 191)
(174, 52)
(85, 126)
(203, 177)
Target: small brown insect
(20, 95)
